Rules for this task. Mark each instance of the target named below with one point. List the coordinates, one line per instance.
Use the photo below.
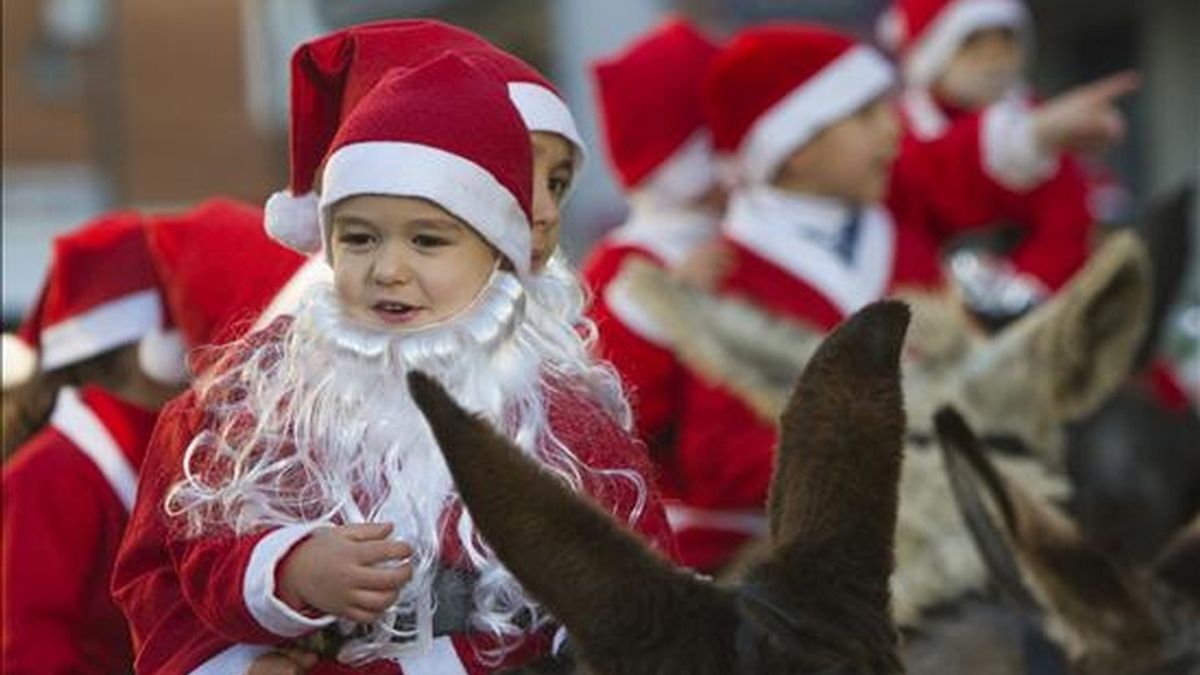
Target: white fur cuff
(1010, 152)
(258, 587)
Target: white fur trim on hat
(687, 174)
(163, 356)
(850, 81)
(20, 361)
(292, 221)
(104, 327)
(941, 39)
(455, 183)
(542, 110)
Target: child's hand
(1086, 117)
(339, 571)
(705, 266)
(286, 662)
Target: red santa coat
(208, 604)
(1047, 198)
(629, 337)
(724, 453)
(67, 494)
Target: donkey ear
(609, 589)
(1168, 234)
(1030, 544)
(841, 437)
(1087, 335)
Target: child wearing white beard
(296, 498)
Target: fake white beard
(344, 442)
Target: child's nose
(391, 267)
(545, 210)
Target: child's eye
(355, 239)
(429, 241)
(559, 187)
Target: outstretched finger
(1113, 86)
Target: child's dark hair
(27, 406)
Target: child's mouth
(395, 312)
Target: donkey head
(819, 601)
(1055, 364)
(1107, 618)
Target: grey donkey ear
(1039, 554)
(614, 595)
(1084, 339)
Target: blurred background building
(152, 104)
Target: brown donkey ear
(833, 499)
(841, 438)
(616, 597)
(1032, 545)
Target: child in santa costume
(296, 492)
(361, 54)
(69, 486)
(661, 150)
(104, 347)
(829, 214)
(962, 62)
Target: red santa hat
(446, 132)
(776, 85)
(218, 268)
(101, 293)
(332, 73)
(927, 33)
(649, 99)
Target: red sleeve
(725, 460)
(943, 182)
(59, 514)
(650, 372)
(184, 597)
(1058, 226)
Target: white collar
(668, 230)
(798, 233)
(74, 419)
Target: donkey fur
(1108, 618)
(818, 602)
(1053, 365)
